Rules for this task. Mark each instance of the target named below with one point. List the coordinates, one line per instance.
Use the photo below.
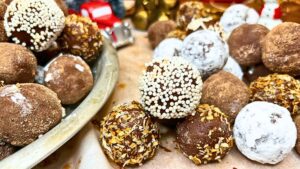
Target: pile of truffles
(250, 91)
(39, 69)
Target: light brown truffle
(281, 49)
(28, 111)
(227, 92)
(158, 31)
(69, 77)
(6, 150)
(17, 64)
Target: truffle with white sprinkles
(128, 135)
(34, 24)
(170, 88)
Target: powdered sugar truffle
(264, 132)
(233, 67)
(168, 47)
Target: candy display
(69, 77)
(264, 132)
(206, 50)
(205, 137)
(17, 64)
(245, 43)
(30, 111)
(81, 37)
(24, 25)
(128, 135)
(168, 48)
(233, 67)
(170, 88)
(227, 92)
(280, 89)
(6, 150)
(159, 30)
(281, 53)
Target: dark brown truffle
(128, 135)
(255, 72)
(205, 137)
(3, 37)
(187, 11)
(28, 111)
(6, 150)
(17, 64)
(69, 77)
(245, 43)
(281, 49)
(279, 89)
(63, 6)
(158, 31)
(3, 7)
(227, 92)
(81, 37)
(297, 122)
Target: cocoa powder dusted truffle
(3, 7)
(227, 92)
(205, 137)
(28, 111)
(280, 89)
(281, 49)
(159, 30)
(245, 43)
(128, 135)
(187, 12)
(17, 64)
(6, 150)
(170, 88)
(69, 77)
(34, 24)
(81, 37)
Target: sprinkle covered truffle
(170, 88)
(128, 135)
(206, 136)
(81, 37)
(280, 89)
(34, 24)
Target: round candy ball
(170, 88)
(245, 43)
(17, 64)
(30, 111)
(128, 135)
(233, 67)
(237, 15)
(187, 12)
(81, 37)
(6, 150)
(159, 30)
(205, 137)
(206, 50)
(281, 49)
(168, 48)
(279, 89)
(227, 92)
(34, 24)
(264, 132)
(69, 77)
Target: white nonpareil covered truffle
(206, 50)
(170, 88)
(168, 48)
(232, 66)
(264, 132)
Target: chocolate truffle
(245, 43)
(17, 64)
(232, 66)
(69, 77)
(47, 55)
(281, 49)
(63, 6)
(3, 37)
(255, 72)
(177, 33)
(6, 150)
(170, 88)
(168, 48)
(283, 90)
(34, 24)
(3, 8)
(264, 132)
(227, 92)
(81, 37)
(30, 111)
(128, 135)
(187, 12)
(205, 137)
(159, 30)
(206, 50)
(237, 15)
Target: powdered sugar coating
(168, 47)
(264, 132)
(232, 66)
(206, 50)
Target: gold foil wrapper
(141, 19)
